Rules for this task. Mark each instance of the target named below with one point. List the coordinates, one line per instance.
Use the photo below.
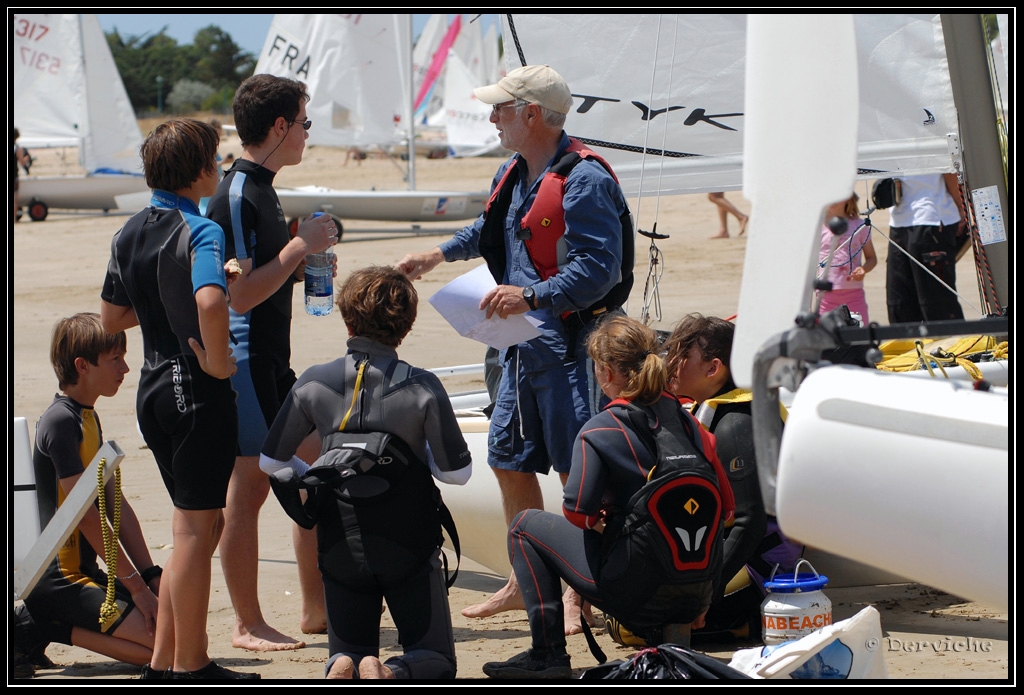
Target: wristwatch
(531, 298)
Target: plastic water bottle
(320, 282)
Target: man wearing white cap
(557, 236)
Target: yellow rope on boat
(109, 610)
(940, 358)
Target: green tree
(217, 60)
(213, 59)
(188, 96)
(141, 59)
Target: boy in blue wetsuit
(166, 275)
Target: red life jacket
(543, 227)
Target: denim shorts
(538, 413)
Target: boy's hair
(261, 100)
(81, 335)
(631, 349)
(378, 302)
(712, 336)
(178, 152)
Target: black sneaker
(534, 663)
(23, 668)
(151, 674)
(29, 645)
(213, 672)
(38, 658)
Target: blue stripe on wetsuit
(252, 426)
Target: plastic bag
(849, 649)
(665, 662)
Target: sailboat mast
(85, 127)
(410, 85)
(966, 49)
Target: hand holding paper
(459, 303)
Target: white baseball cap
(537, 84)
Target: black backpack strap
(287, 493)
(595, 648)
(643, 425)
(453, 534)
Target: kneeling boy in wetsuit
(70, 603)
(377, 552)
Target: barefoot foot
(370, 668)
(342, 669)
(574, 608)
(264, 639)
(313, 626)
(507, 598)
(743, 225)
(721, 235)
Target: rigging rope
(655, 258)
(652, 291)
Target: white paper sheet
(459, 303)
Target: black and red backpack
(665, 549)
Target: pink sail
(438, 63)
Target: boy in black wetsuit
(270, 115)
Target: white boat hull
(476, 508)
(393, 206)
(902, 473)
(95, 192)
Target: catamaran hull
(476, 508)
(96, 192)
(388, 206)
(902, 473)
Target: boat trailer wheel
(37, 210)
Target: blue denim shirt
(593, 203)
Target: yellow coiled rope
(109, 610)
(940, 358)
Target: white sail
(467, 122)
(675, 83)
(493, 70)
(356, 68)
(68, 92)
(469, 45)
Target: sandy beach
(56, 268)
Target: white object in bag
(848, 650)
